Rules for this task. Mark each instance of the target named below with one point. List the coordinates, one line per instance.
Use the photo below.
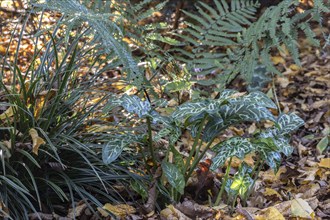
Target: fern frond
(212, 28)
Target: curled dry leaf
(36, 140)
(171, 213)
(121, 210)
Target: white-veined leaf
(256, 97)
(112, 150)
(174, 176)
(236, 146)
(134, 104)
(241, 111)
(289, 123)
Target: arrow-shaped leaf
(174, 176)
(236, 146)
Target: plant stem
(256, 174)
(151, 149)
(223, 185)
(275, 96)
(198, 159)
(193, 148)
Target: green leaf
(289, 122)
(213, 127)
(138, 187)
(112, 150)
(236, 146)
(134, 104)
(256, 97)
(241, 111)
(174, 176)
(190, 109)
(178, 158)
(322, 145)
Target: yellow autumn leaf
(277, 59)
(36, 140)
(325, 162)
(120, 210)
(301, 208)
(270, 213)
(294, 67)
(8, 113)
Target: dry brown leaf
(171, 213)
(272, 193)
(321, 103)
(269, 176)
(270, 213)
(36, 140)
(120, 210)
(283, 81)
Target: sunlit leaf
(256, 97)
(134, 104)
(36, 140)
(7, 114)
(301, 208)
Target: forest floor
(303, 180)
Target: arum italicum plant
(206, 119)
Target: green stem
(193, 148)
(198, 159)
(223, 185)
(256, 174)
(151, 149)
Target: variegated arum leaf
(242, 179)
(213, 127)
(283, 145)
(288, 123)
(236, 146)
(241, 111)
(178, 158)
(134, 104)
(241, 184)
(276, 141)
(256, 97)
(174, 176)
(190, 109)
(267, 149)
(112, 150)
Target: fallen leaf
(322, 145)
(272, 194)
(120, 210)
(270, 213)
(325, 162)
(277, 59)
(171, 213)
(300, 208)
(8, 113)
(283, 81)
(36, 140)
